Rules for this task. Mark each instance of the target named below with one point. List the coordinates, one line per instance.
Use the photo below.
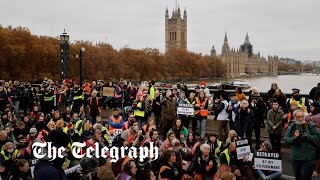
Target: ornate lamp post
(64, 49)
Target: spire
(247, 39)
(225, 37)
(167, 13)
(185, 13)
(225, 46)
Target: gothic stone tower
(176, 30)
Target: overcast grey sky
(288, 28)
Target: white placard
(268, 164)
(268, 161)
(243, 148)
(73, 169)
(243, 151)
(185, 109)
(32, 163)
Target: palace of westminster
(238, 61)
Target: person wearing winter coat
(169, 112)
(204, 164)
(302, 136)
(245, 121)
(179, 130)
(275, 126)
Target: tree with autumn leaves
(27, 57)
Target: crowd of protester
(64, 113)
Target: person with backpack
(302, 136)
(223, 117)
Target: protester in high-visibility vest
(132, 135)
(169, 169)
(152, 89)
(139, 109)
(115, 122)
(229, 157)
(8, 151)
(148, 127)
(192, 100)
(72, 123)
(182, 99)
(302, 102)
(94, 106)
(77, 96)
(202, 114)
(86, 90)
(48, 100)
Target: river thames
(286, 82)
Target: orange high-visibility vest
(111, 129)
(97, 100)
(203, 112)
(129, 138)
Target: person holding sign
(302, 136)
(183, 100)
(238, 167)
(115, 122)
(266, 146)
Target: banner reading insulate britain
(268, 161)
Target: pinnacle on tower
(225, 37)
(247, 39)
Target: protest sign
(113, 134)
(142, 88)
(32, 163)
(243, 148)
(185, 109)
(268, 161)
(108, 91)
(73, 169)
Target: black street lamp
(64, 49)
(80, 57)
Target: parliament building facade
(243, 61)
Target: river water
(286, 82)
